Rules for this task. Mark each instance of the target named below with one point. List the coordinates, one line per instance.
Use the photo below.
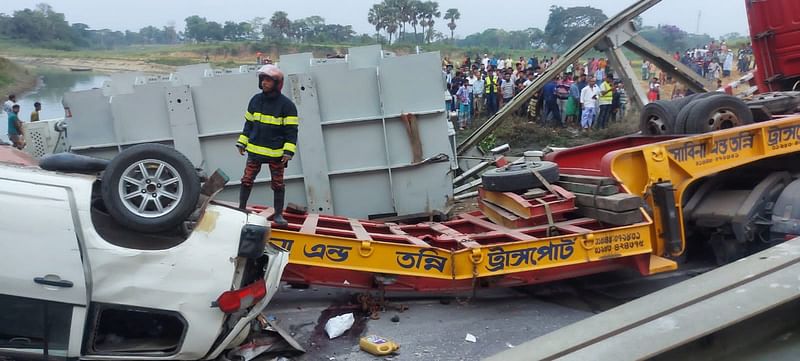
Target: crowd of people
(584, 95)
(16, 132)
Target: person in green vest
(605, 100)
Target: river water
(50, 91)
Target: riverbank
(98, 65)
(15, 78)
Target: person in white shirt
(477, 94)
(589, 103)
(485, 62)
(7, 105)
(12, 99)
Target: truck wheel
(658, 118)
(685, 106)
(150, 188)
(777, 102)
(717, 112)
(518, 177)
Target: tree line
(44, 27)
(394, 21)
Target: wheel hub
(723, 119)
(150, 188)
(656, 125)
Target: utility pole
(699, 12)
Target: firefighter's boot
(278, 218)
(244, 195)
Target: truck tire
(777, 102)
(685, 104)
(715, 113)
(518, 177)
(150, 188)
(658, 118)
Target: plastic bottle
(377, 345)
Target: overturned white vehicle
(135, 264)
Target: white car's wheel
(150, 188)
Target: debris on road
(273, 339)
(377, 345)
(338, 325)
(471, 338)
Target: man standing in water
(269, 136)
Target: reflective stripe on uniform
(290, 147)
(243, 139)
(272, 120)
(268, 152)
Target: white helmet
(273, 72)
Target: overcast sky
(717, 17)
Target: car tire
(519, 176)
(777, 102)
(150, 188)
(715, 113)
(658, 118)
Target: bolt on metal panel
(364, 57)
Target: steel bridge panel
(221, 102)
(354, 146)
(141, 116)
(412, 84)
(361, 57)
(365, 193)
(337, 85)
(91, 114)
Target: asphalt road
(434, 326)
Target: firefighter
(269, 136)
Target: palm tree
(376, 17)
(400, 10)
(452, 14)
(280, 21)
(392, 23)
(413, 15)
(430, 10)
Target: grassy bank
(14, 78)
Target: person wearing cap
(269, 136)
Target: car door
(43, 290)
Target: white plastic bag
(338, 325)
